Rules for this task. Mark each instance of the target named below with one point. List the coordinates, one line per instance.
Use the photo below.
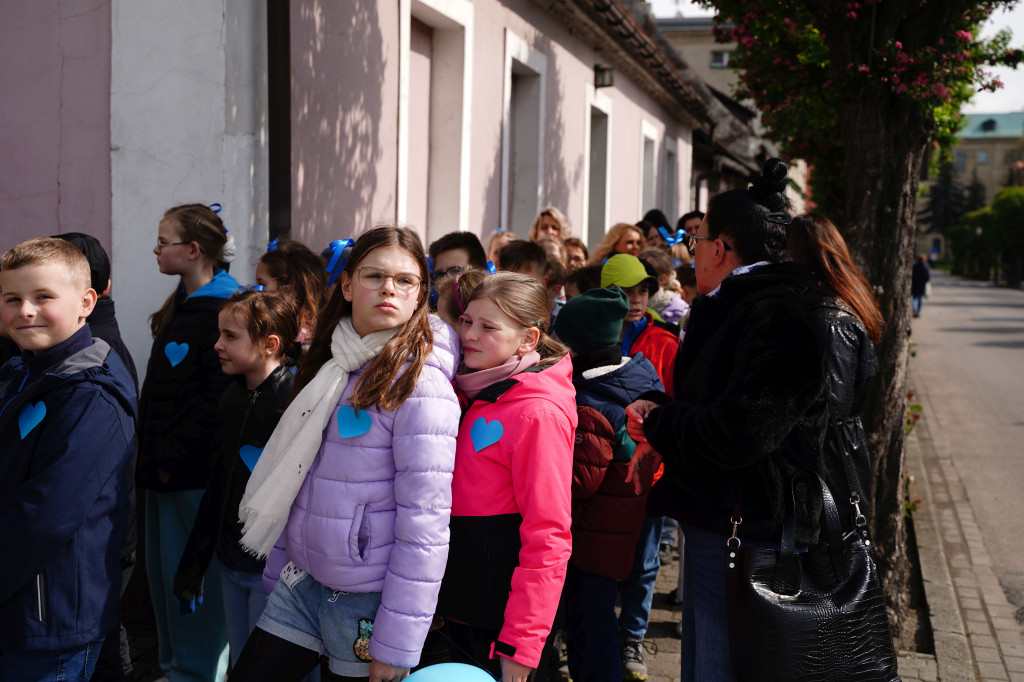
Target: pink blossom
(898, 45)
(964, 35)
(851, 15)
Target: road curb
(952, 654)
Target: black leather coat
(851, 366)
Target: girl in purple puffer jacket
(351, 496)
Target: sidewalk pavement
(975, 632)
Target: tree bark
(885, 143)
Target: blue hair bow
(490, 268)
(272, 244)
(671, 240)
(337, 263)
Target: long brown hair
(525, 300)
(414, 340)
(813, 240)
(200, 224)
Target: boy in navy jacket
(67, 410)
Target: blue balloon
(450, 672)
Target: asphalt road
(970, 362)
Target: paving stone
(992, 671)
(1014, 664)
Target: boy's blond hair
(50, 250)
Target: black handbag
(814, 615)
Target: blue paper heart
(30, 417)
(483, 434)
(176, 352)
(352, 423)
(250, 454)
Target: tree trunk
(885, 143)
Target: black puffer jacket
(750, 409)
(245, 420)
(851, 366)
(178, 407)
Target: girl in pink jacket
(351, 495)
(511, 493)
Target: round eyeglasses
(374, 278)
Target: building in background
(320, 119)
(693, 39)
(989, 145)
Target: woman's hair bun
(768, 190)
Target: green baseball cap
(624, 270)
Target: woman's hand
(512, 671)
(382, 672)
(636, 413)
(642, 452)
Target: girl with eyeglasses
(177, 420)
(351, 495)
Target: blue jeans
(704, 651)
(244, 601)
(593, 629)
(637, 591)
(915, 304)
(668, 531)
(75, 664)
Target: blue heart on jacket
(483, 434)
(176, 352)
(30, 417)
(250, 454)
(352, 422)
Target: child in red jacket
(511, 514)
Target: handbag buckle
(735, 521)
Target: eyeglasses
(691, 242)
(373, 279)
(453, 270)
(160, 247)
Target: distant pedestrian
(919, 279)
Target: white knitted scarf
(293, 446)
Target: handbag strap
(834, 531)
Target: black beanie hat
(592, 320)
(99, 264)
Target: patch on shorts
(361, 646)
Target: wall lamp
(603, 76)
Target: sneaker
(632, 654)
(665, 554)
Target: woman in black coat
(844, 306)
(750, 408)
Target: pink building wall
(345, 99)
(54, 119)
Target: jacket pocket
(40, 597)
(359, 536)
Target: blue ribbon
(337, 263)
(676, 263)
(216, 208)
(430, 266)
(671, 240)
(272, 245)
(490, 268)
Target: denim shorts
(337, 624)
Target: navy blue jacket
(67, 425)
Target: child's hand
(636, 413)
(188, 601)
(382, 672)
(643, 450)
(514, 672)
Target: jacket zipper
(41, 597)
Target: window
(719, 59)
(522, 147)
(982, 158)
(961, 162)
